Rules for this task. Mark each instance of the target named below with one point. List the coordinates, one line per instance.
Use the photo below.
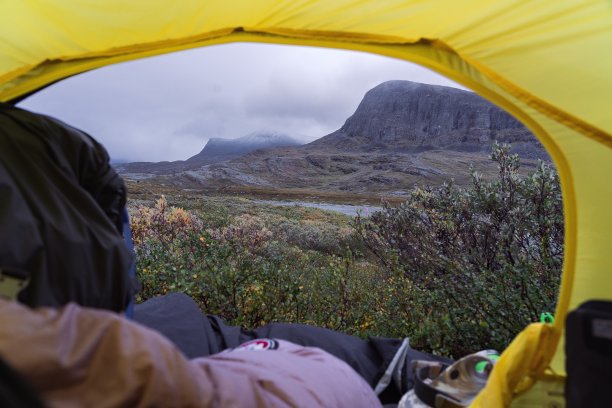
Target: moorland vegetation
(456, 269)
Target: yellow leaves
(162, 223)
(254, 288)
(179, 216)
(368, 321)
(161, 204)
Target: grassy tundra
(455, 269)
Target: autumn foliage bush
(478, 263)
(248, 273)
(455, 269)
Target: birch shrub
(475, 264)
(455, 269)
(251, 270)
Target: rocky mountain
(402, 133)
(410, 117)
(218, 150)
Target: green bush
(456, 270)
(472, 266)
(247, 273)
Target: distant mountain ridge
(402, 133)
(217, 149)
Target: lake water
(350, 210)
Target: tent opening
(322, 175)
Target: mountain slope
(218, 150)
(402, 134)
(412, 117)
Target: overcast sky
(167, 107)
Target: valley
(402, 135)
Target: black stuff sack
(588, 351)
(60, 215)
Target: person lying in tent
(64, 276)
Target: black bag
(588, 353)
(60, 214)
(15, 392)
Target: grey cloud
(167, 107)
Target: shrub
(457, 270)
(315, 235)
(248, 273)
(472, 267)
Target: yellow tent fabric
(547, 62)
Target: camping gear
(15, 392)
(589, 355)
(449, 386)
(179, 319)
(82, 357)
(60, 196)
(126, 232)
(547, 63)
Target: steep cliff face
(412, 117)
